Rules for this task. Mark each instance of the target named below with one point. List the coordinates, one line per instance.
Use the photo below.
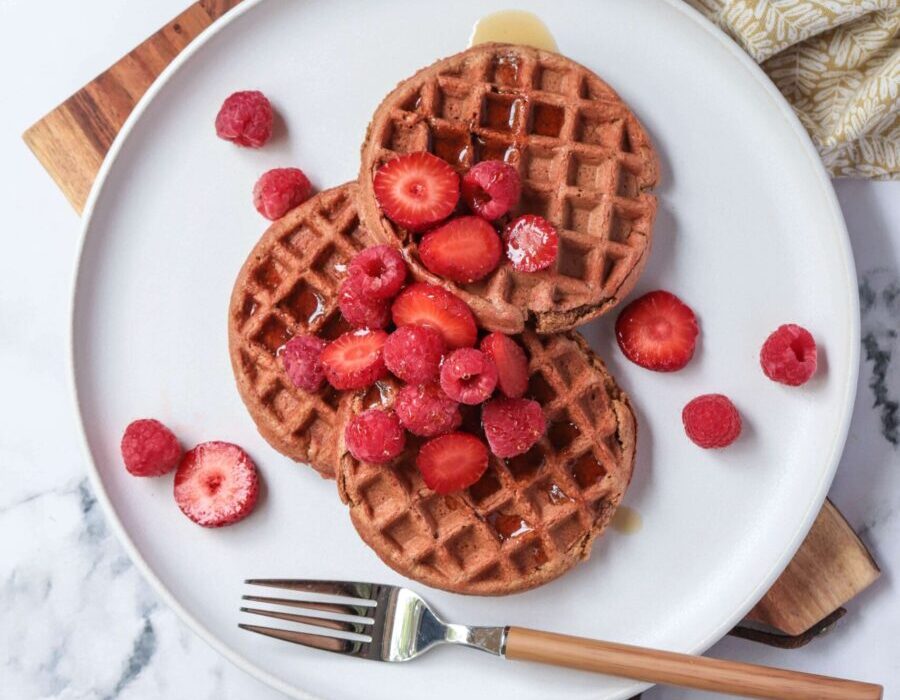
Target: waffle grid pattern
(584, 160)
(289, 285)
(530, 518)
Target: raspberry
(380, 270)
(245, 118)
(789, 355)
(149, 448)
(375, 436)
(512, 426)
(491, 188)
(279, 190)
(711, 420)
(468, 376)
(532, 243)
(426, 410)
(512, 364)
(359, 309)
(414, 353)
(301, 357)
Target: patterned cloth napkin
(838, 64)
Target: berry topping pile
(711, 421)
(425, 336)
(245, 119)
(421, 193)
(789, 355)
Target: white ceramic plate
(749, 234)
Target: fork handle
(684, 670)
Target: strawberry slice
(452, 462)
(532, 243)
(355, 360)
(216, 484)
(429, 305)
(657, 331)
(511, 362)
(463, 250)
(416, 190)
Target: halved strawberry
(416, 190)
(512, 365)
(216, 484)
(429, 305)
(532, 243)
(355, 359)
(452, 462)
(463, 250)
(657, 331)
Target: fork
(390, 623)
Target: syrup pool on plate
(513, 27)
(627, 520)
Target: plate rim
(245, 663)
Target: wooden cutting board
(830, 568)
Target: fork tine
(314, 641)
(328, 623)
(357, 614)
(347, 589)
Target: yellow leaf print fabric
(838, 64)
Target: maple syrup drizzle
(627, 520)
(513, 27)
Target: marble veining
(879, 295)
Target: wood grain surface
(832, 565)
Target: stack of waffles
(586, 165)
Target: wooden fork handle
(666, 667)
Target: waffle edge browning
(585, 161)
(530, 518)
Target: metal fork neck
(489, 639)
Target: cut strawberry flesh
(452, 462)
(532, 243)
(657, 331)
(511, 362)
(355, 360)
(216, 484)
(416, 190)
(463, 250)
(429, 305)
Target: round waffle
(529, 519)
(289, 285)
(585, 162)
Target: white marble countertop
(79, 621)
